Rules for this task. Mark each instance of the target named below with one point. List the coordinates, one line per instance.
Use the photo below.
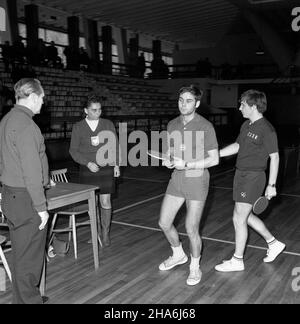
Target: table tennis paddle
(260, 205)
(158, 155)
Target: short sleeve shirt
(194, 139)
(257, 141)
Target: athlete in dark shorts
(85, 143)
(256, 143)
(190, 179)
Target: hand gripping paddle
(260, 205)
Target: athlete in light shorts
(190, 180)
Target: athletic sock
(195, 262)
(271, 241)
(177, 251)
(238, 258)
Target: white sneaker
(230, 266)
(274, 250)
(194, 277)
(172, 262)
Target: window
(22, 30)
(59, 38)
(2, 19)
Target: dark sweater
(81, 148)
(23, 161)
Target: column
(156, 49)
(12, 13)
(107, 51)
(73, 50)
(133, 55)
(32, 28)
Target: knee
(164, 226)
(105, 203)
(239, 219)
(192, 230)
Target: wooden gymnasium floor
(129, 272)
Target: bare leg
(169, 209)
(192, 223)
(240, 217)
(259, 226)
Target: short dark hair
(255, 97)
(25, 87)
(93, 98)
(198, 93)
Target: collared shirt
(23, 161)
(191, 141)
(257, 141)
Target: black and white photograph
(149, 154)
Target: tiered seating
(66, 93)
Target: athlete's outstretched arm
(230, 150)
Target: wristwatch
(272, 185)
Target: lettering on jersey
(252, 135)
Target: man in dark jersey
(256, 143)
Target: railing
(220, 72)
(133, 122)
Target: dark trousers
(28, 245)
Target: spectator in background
(6, 99)
(72, 57)
(159, 68)
(133, 65)
(42, 52)
(7, 55)
(84, 59)
(141, 65)
(19, 51)
(52, 55)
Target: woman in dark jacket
(85, 147)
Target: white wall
(5, 33)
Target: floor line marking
(138, 203)
(203, 237)
(145, 179)
(164, 181)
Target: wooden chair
(2, 257)
(71, 211)
(3, 223)
(2, 217)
